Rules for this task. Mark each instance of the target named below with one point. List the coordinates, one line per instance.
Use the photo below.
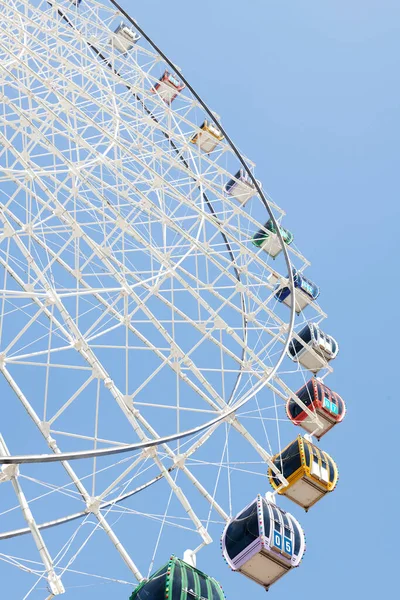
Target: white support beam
(10, 473)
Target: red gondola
(168, 87)
(328, 405)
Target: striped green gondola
(261, 235)
(178, 581)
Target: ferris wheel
(158, 334)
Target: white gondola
(315, 350)
(241, 187)
(263, 542)
(208, 137)
(124, 38)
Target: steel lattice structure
(135, 308)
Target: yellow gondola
(208, 137)
(310, 472)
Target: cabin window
(315, 470)
(155, 588)
(294, 409)
(242, 531)
(267, 520)
(297, 279)
(315, 451)
(324, 471)
(306, 453)
(173, 80)
(215, 593)
(306, 395)
(322, 392)
(331, 468)
(261, 235)
(203, 587)
(286, 523)
(305, 334)
(339, 404)
(297, 539)
(277, 526)
(310, 390)
(270, 226)
(277, 523)
(190, 579)
(295, 347)
(176, 582)
(289, 460)
(274, 477)
(275, 513)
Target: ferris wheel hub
(93, 505)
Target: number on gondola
(288, 546)
(277, 540)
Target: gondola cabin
(306, 291)
(124, 38)
(310, 473)
(74, 2)
(327, 405)
(168, 87)
(315, 349)
(208, 137)
(241, 187)
(263, 542)
(267, 238)
(178, 581)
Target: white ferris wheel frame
(148, 445)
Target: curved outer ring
(44, 458)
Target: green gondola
(267, 239)
(178, 581)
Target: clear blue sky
(310, 91)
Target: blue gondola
(263, 542)
(324, 346)
(241, 187)
(124, 38)
(306, 291)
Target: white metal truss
(134, 307)
(10, 473)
